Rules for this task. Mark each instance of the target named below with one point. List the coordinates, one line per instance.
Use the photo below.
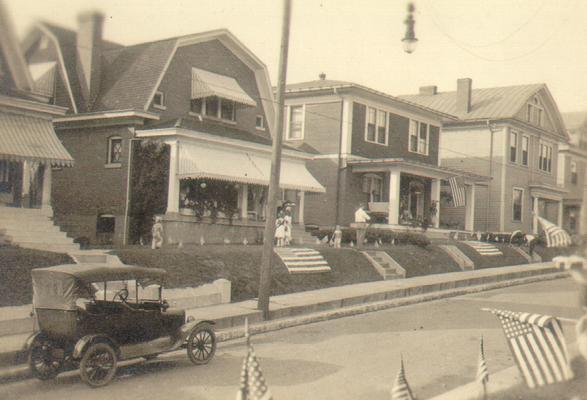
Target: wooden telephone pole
(269, 232)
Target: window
(373, 186)
(376, 127)
(574, 178)
(534, 112)
(260, 122)
(525, 149)
(114, 150)
(159, 100)
(517, 199)
(296, 123)
(215, 107)
(513, 146)
(545, 159)
(419, 134)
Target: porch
(405, 193)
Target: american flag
(482, 373)
(538, 346)
(555, 235)
(252, 383)
(458, 191)
(401, 390)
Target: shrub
(372, 235)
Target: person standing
(280, 230)
(157, 233)
(287, 222)
(337, 237)
(361, 220)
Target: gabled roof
(488, 103)
(329, 84)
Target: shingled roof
(488, 103)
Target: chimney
(464, 88)
(428, 90)
(89, 54)
(322, 76)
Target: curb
(236, 332)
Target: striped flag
(252, 382)
(538, 346)
(555, 235)
(482, 373)
(458, 191)
(401, 390)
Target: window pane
(115, 150)
(371, 120)
(423, 140)
(260, 122)
(517, 205)
(381, 126)
(413, 136)
(227, 110)
(525, 150)
(196, 106)
(296, 122)
(212, 106)
(513, 146)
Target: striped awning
(244, 166)
(26, 138)
(206, 84)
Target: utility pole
(269, 232)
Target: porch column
(173, 188)
(26, 184)
(535, 215)
(394, 197)
(560, 213)
(244, 201)
(470, 208)
(46, 195)
(435, 197)
(302, 196)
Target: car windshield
(131, 290)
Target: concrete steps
(34, 229)
(387, 267)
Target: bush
(380, 235)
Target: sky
(494, 42)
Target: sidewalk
(319, 305)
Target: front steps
(34, 229)
(387, 267)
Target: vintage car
(91, 316)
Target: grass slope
(16, 264)
(195, 266)
(418, 261)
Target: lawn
(509, 257)
(193, 266)
(418, 261)
(16, 264)
(548, 253)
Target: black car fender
(86, 341)
(189, 326)
(29, 342)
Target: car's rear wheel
(98, 365)
(201, 344)
(42, 361)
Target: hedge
(374, 234)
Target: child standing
(280, 230)
(157, 233)
(337, 237)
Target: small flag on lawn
(482, 373)
(555, 235)
(538, 346)
(252, 384)
(458, 191)
(401, 390)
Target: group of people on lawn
(283, 227)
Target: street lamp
(410, 41)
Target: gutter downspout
(339, 167)
(488, 208)
(128, 178)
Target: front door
(416, 200)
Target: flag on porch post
(538, 346)
(458, 191)
(555, 235)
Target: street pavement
(349, 358)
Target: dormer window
(159, 100)
(534, 112)
(214, 107)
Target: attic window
(534, 112)
(159, 100)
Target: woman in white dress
(280, 230)
(287, 222)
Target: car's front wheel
(98, 365)
(201, 344)
(42, 361)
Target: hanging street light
(410, 41)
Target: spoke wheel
(42, 363)
(201, 344)
(98, 365)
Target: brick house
(372, 148)
(512, 134)
(205, 97)
(572, 173)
